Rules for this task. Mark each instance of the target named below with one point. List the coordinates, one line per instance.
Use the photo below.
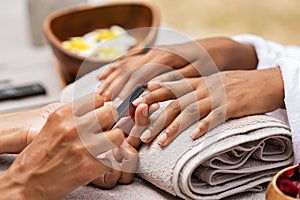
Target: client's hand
(133, 70)
(212, 99)
(168, 63)
(63, 156)
(139, 69)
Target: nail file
(127, 103)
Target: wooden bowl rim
(137, 48)
(275, 178)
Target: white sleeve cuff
(290, 70)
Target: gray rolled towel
(237, 156)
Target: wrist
(274, 79)
(19, 180)
(9, 188)
(13, 130)
(230, 55)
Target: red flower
(289, 182)
(288, 187)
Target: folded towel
(240, 155)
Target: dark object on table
(21, 91)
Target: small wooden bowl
(77, 21)
(273, 192)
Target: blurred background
(272, 19)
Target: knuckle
(171, 76)
(219, 115)
(192, 110)
(174, 75)
(67, 131)
(206, 124)
(174, 105)
(151, 98)
(60, 114)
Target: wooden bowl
(273, 192)
(77, 21)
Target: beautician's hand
(62, 157)
(197, 58)
(38, 121)
(123, 172)
(212, 99)
(17, 130)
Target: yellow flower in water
(76, 44)
(109, 49)
(105, 34)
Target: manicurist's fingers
(87, 103)
(126, 124)
(129, 162)
(141, 121)
(110, 178)
(108, 140)
(98, 120)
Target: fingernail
(146, 135)
(98, 86)
(100, 90)
(162, 139)
(154, 82)
(153, 107)
(195, 132)
(106, 93)
(117, 99)
(138, 101)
